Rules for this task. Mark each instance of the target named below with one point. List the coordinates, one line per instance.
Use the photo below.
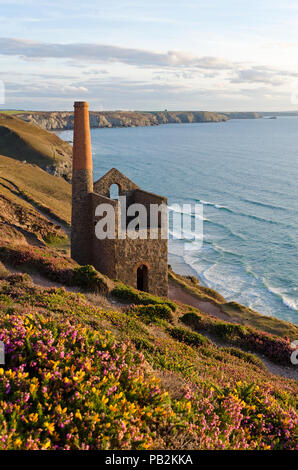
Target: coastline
(179, 266)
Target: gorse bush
(72, 388)
(229, 331)
(52, 239)
(69, 383)
(129, 294)
(69, 387)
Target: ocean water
(245, 175)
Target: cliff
(242, 115)
(64, 120)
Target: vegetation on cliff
(82, 377)
(24, 141)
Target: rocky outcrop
(64, 120)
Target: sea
(243, 174)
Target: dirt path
(55, 221)
(43, 281)
(180, 295)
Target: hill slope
(82, 377)
(26, 142)
(33, 204)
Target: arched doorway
(142, 278)
(114, 191)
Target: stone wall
(130, 254)
(120, 258)
(102, 186)
(103, 251)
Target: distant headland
(59, 120)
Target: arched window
(114, 191)
(142, 278)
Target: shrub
(192, 319)
(66, 387)
(189, 337)
(58, 268)
(68, 384)
(152, 312)
(228, 331)
(245, 356)
(54, 239)
(132, 295)
(143, 344)
(88, 278)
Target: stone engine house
(141, 263)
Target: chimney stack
(82, 185)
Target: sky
(215, 55)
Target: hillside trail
(35, 206)
(176, 293)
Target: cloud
(73, 89)
(166, 79)
(99, 53)
(259, 75)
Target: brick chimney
(82, 186)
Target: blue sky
(220, 55)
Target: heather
(53, 265)
(81, 377)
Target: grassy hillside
(34, 205)
(29, 182)
(82, 377)
(24, 141)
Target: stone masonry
(141, 263)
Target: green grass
(249, 317)
(131, 295)
(13, 112)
